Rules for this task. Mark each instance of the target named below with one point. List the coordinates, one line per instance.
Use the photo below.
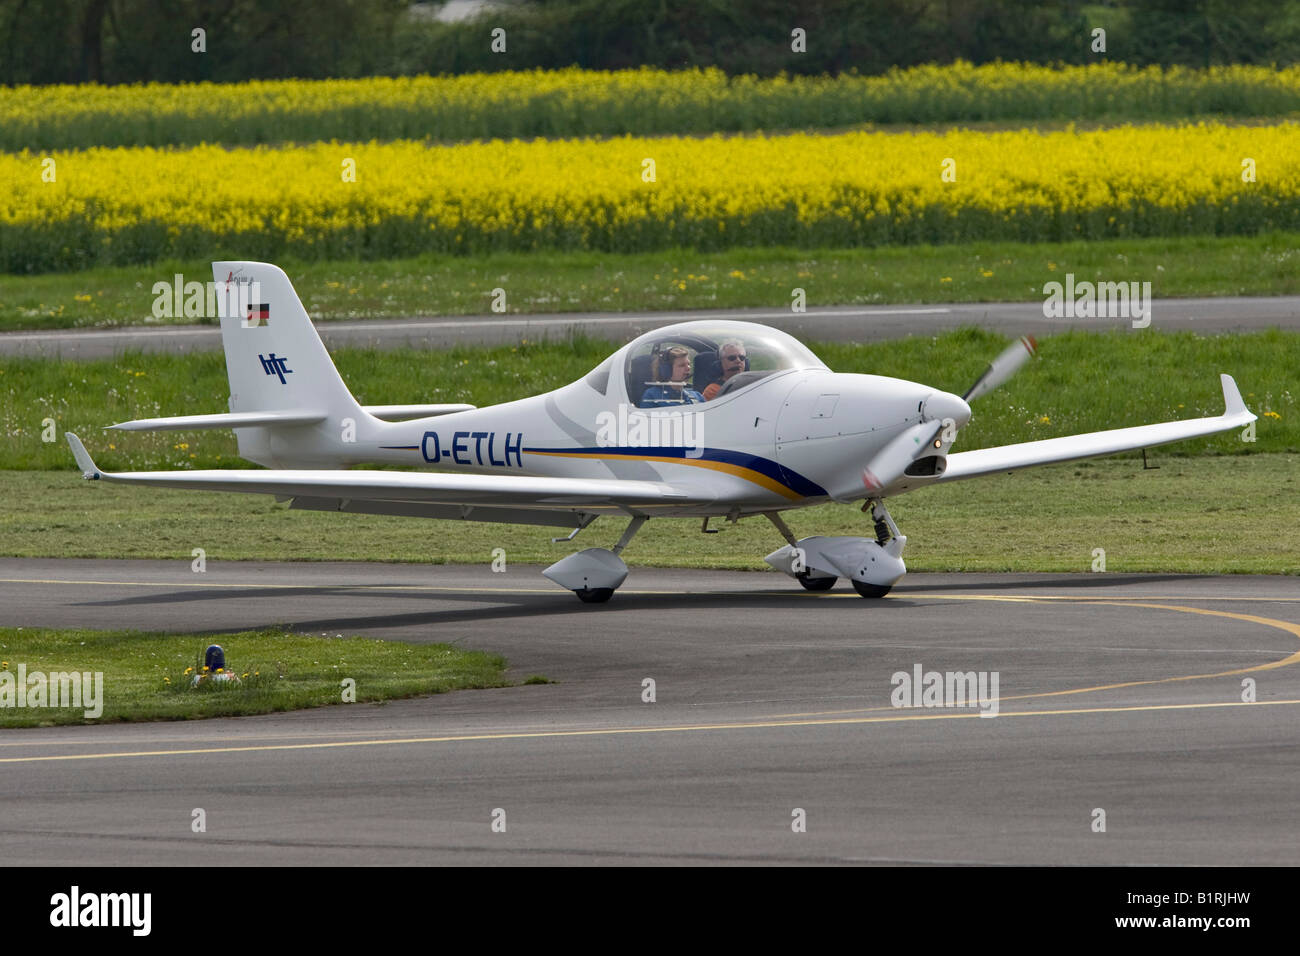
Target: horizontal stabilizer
(227, 420)
(400, 412)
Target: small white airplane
(706, 419)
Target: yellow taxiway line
(621, 731)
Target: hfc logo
(275, 366)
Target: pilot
(673, 366)
(731, 355)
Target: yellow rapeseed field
(574, 102)
(123, 205)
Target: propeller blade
(1003, 367)
(892, 460)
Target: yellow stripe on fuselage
(740, 471)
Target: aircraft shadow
(213, 594)
(502, 606)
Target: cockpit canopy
(655, 376)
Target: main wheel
(594, 595)
(815, 584)
(871, 590)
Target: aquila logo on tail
(275, 366)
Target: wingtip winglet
(1234, 405)
(88, 469)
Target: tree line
(128, 41)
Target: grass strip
(548, 282)
(150, 676)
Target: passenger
(731, 355)
(674, 366)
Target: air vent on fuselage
(928, 467)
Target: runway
(1118, 693)
(832, 324)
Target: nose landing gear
(873, 567)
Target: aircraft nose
(943, 405)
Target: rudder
(276, 362)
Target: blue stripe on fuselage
(764, 466)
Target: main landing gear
(596, 573)
(873, 567)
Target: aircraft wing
(990, 461)
(423, 488)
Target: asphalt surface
(836, 324)
(1119, 693)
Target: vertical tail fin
(274, 358)
(276, 362)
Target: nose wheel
(872, 566)
(868, 590)
(811, 583)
